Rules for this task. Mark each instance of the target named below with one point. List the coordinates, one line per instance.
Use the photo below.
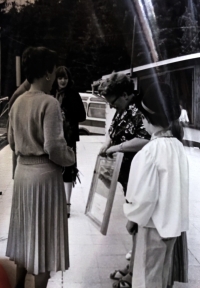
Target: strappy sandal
(118, 274)
(122, 284)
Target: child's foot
(118, 274)
(124, 282)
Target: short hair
(116, 84)
(160, 105)
(63, 71)
(37, 61)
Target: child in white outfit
(158, 190)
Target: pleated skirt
(38, 232)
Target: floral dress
(124, 127)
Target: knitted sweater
(36, 128)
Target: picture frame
(102, 190)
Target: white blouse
(158, 187)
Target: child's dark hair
(116, 84)
(161, 107)
(37, 61)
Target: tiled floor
(94, 256)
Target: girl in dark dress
(73, 112)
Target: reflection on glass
(149, 28)
(166, 30)
(103, 184)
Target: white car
(95, 108)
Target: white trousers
(152, 259)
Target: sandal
(118, 274)
(122, 284)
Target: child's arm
(143, 189)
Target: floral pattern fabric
(124, 127)
(127, 126)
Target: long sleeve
(74, 110)
(81, 109)
(54, 142)
(143, 189)
(11, 135)
(73, 107)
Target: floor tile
(82, 275)
(192, 259)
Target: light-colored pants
(152, 259)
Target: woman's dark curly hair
(37, 61)
(116, 84)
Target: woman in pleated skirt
(38, 232)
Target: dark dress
(124, 127)
(73, 112)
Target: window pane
(97, 110)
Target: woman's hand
(105, 146)
(112, 149)
(103, 150)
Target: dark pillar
(196, 95)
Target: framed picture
(102, 190)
